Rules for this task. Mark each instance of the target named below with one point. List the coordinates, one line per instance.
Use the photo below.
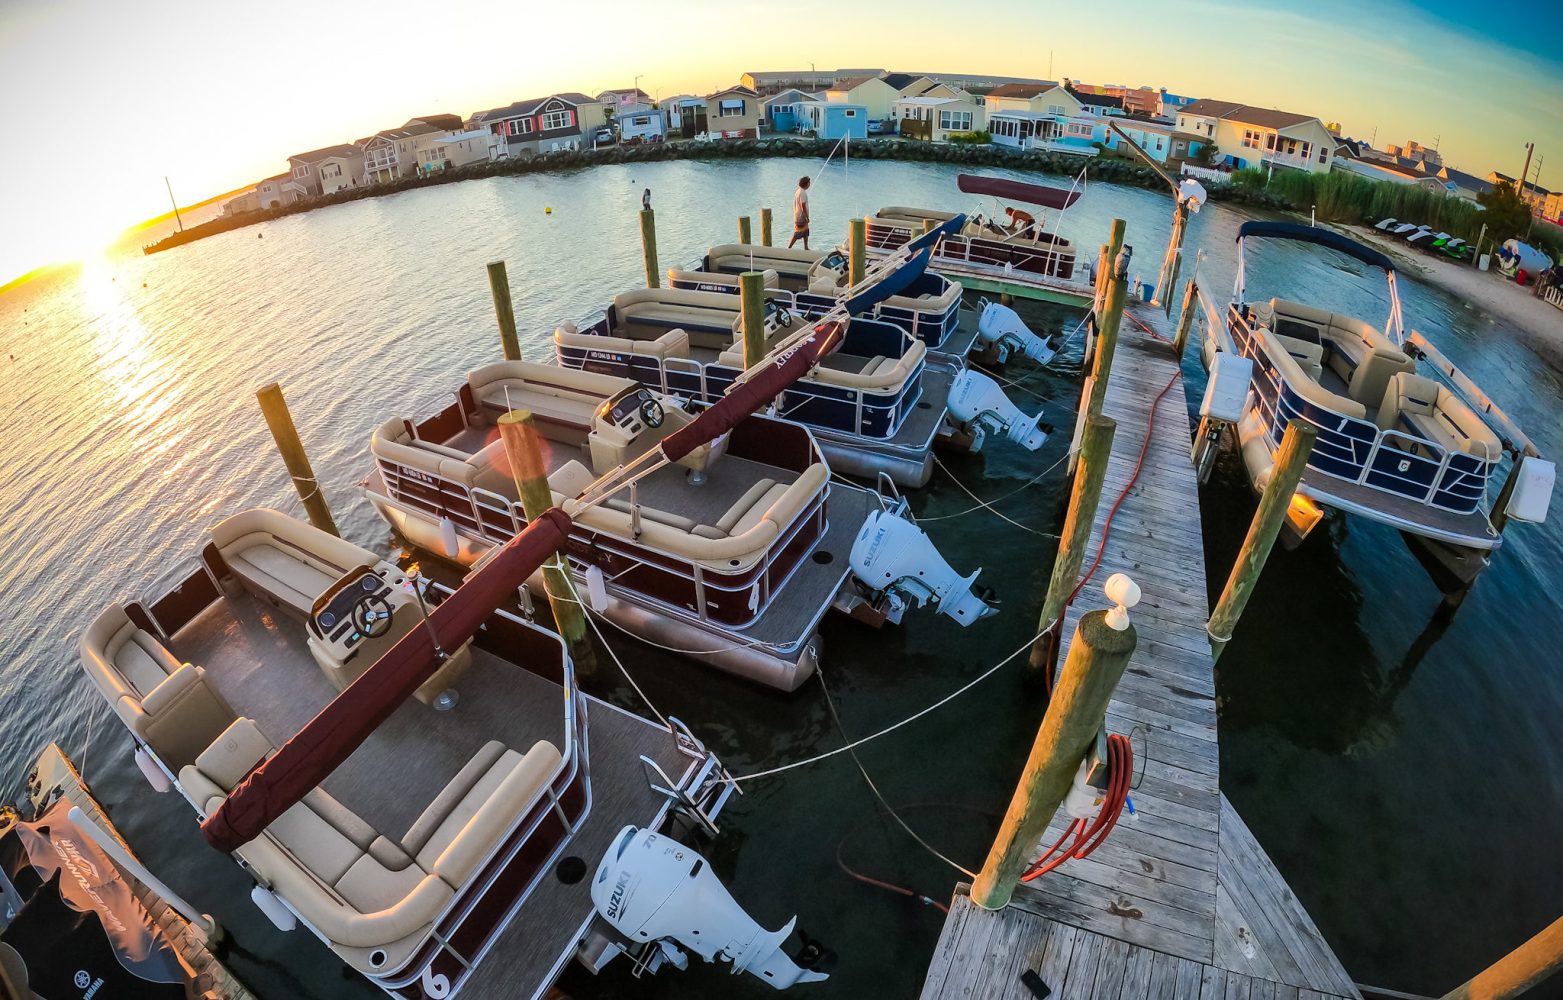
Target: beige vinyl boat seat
(283, 561)
(907, 217)
(673, 344)
(877, 374)
(1431, 410)
(167, 704)
(375, 898)
(790, 261)
(1305, 384)
(740, 537)
(564, 400)
(770, 278)
(711, 320)
(927, 302)
(1360, 355)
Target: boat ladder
(705, 787)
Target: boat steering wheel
(651, 412)
(372, 616)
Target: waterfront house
(936, 117)
(734, 113)
(908, 84)
(624, 98)
(780, 109)
(400, 152)
(249, 201)
(1247, 136)
(304, 169)
(452, 150)
(1154, 137)
(341, 169)
(834, 119)
(949, 91)
(871, 92)
(1169, 105)
(1042, 116)
(275, 192)
(640, 123)
(684, 115)
(544, 124)
(1042, 98)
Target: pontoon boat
(435, 844)
(1411, 445)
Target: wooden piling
(858, 250)
(751, 292)
(1526, 966)
(524, 452)
(275, 409)
(1180, 338)
(1167, 275)
(504, 310)
(648, 246)
(1290, 460)
(765, 227)
(929, 225)
(1075, 713)
(1096, 447)
(1111, 317)
(745, 230)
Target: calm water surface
(1403, 773)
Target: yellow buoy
(548, 210)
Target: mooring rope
(989, 507)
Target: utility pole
(176, 204)
(1530, 149)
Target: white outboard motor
(1002, 327)
(658, 892)
(978, 405)
(893, 555)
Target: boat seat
(1430, 410)
(1304, 384)
(672, 344)
(364, 892)
(771, 278)
(746, 513)
(285, 562)
(167, 704)
(1309, 355)
(653, 514)
(880, 374)
(926, 302)
(570, 480)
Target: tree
(1505, 212)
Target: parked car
(882, 127)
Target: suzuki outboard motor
(1002, 327)
(978, 405)
(657, 892)
(893, 555)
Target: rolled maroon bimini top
(328, 739)
(1031, 194)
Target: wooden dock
(1180, 901)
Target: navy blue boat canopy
(891, 284)
(1313, 234)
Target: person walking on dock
(800, 214)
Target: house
(1154, 137)
(452, 150)
(684, 115)
(544, 124)
(1534, 196)
(395, 153)
(1247, 136)
(1168, 105)
(616, 99)
(734, 113)
(936, 117)
(249, 201)
(641, 123)
(945, 90)
(341, 170)
(1133, 100)
(1039, 98)
(274, 192)
(445, 123)
(1552, 206)
(779, 109)
(834, 119)
(304, 168)
(871, 92)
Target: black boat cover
(1313, 234)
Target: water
(1402, 774)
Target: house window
(1324, 154)
(956, 121)
(640, 120)
(300, 171)
(1250, 138)
(556, 119)
(1307, 150)
(730, 109)
(1079, 129)
(850, 113)
(1055, 109)
(1270, 141)
(1291, 147)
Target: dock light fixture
(1125, 594)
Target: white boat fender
(276, 911)
(656, 891)
(1532, 494)
(448, 538)
(894, 555)
(1002, 327)
(596, 589)
(156, 776)
(978, 404)
(1227, 391)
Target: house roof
(1465, 181)
(443, 122)
(1097, 100)
(275, 179)
(412, 128)
(530, 105)
(745, 91)
(1532, 188)
(853, 81)
(929, 101)
(1022, 90)
(316, 155)
(899, 80)
(1246, 113)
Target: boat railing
(1356, 450)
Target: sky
(103, 98)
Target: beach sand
(1539, 322)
